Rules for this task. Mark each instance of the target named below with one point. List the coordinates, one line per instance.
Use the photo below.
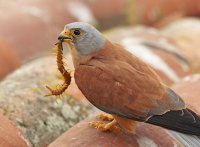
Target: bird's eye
(77, 32)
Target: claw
(101, 126)
(105, 117)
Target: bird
(123, 86)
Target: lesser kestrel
(120, 84)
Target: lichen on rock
(41, 119)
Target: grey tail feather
(184, 121)
(186, 140)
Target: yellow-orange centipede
(66, 75)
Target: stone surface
(42, 21)
(185, 34)
(10, 136)
(84, 136)
(148, 12)
(8, 58)
(153, 48)
(108, 13)
(40, 118)
(189, 90)
(147, 135)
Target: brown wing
(117, 88)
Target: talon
(105, 127)
(95, 123)
(105, 116)
(102, 127)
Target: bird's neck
(74, 54)
(77, 58)
(84, 59)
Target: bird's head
(83, 37)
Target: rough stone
(10, 136)
(8, 58)
(146, 134)
(84, 136)
(189, 90)
(151, 11)
(40, 118)
(154, 48)
(185, 34)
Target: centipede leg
(67, 78)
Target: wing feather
(117, 88)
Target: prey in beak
(65, 36)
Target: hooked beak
(65, 36)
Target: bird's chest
(93, 84)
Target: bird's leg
(105, 117)
(128, 125)
(102, 126)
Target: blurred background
(28, 29)
(163, 33)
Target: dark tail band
(185, 121)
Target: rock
(10, 136)
(188, 88)
(146, 134)
(45, 21)
(8, 58)
(42, 21)
(108, 13)
(151, 11)
(39, 25)
(84, 136)
(40, 118)
(185, 34)
(153, 48)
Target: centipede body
(65, 74)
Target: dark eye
(77, 32)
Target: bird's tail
(186, 140)
(184, 121)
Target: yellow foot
(105, 116)
(105, 126)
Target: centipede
(65, 74)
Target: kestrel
(120, 84)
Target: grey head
(89, 40)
